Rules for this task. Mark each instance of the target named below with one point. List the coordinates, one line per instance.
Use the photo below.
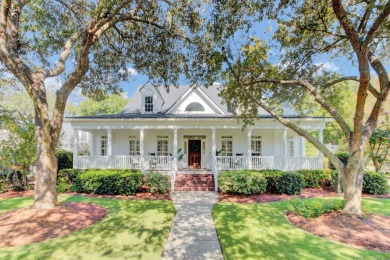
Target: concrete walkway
(193, 234)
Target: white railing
(103, 162)
(158, 162)
(232, 162)
(268, 162)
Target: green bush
(66, 178)
(64, 159)
(242, 182)
(109, 182)
(157, 183)
(314, 178)
(344, 157)
(374, 183)
(311, 208)
(283, 182)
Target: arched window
(194, 106)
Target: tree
(309, 31)
(109, 105)
(379, 147)
(18, 150)
(91, 48)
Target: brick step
(180, 184)
(194, 177)
(194, 182)
(194, 188)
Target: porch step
(194, 182)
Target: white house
(189, 129)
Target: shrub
(283, 182)
(311, 208)
(66, 178)
(374, 183)
(65, 160)
(157, 183)
(242, 182)
(344, 157)
(314, 178)
(110, 182)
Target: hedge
(343, 157)
(66, 178)
(242, 182)
(311, 208)
(64, 159)
(374, 183)
(314, 178)
(157, 183)
(281, 182)
(110, 182)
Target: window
(256, 145)
(149, 104)
(194, 106)
(133, 145)
(162, 145)
(227, 146)
(103, 145)
(290, 146)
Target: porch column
(75, 148)
(175, 149)
(303, 153)
(109, 147)
(213, 158)
(319, 154)
(91, 144)
(285, 149)
(141, 149)
(249, 148)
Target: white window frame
(290, 146)
(162, 146)
(134, 146)
(103, 145)
(256, 145)
(149, 104)
(227, 146)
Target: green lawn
(262, 231)
(133, 229)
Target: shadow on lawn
(132, 229)
(262, 231)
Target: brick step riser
(209, 183)
(194, 186)
(194, 179)
(195, 189)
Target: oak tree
(290, 70)
(90, 44)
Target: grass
(133, 229)
(262, 231)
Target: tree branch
(371, 88)
(317, 97)
(377, 23)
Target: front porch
(169, 149)
(165, 163)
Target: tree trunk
(353, 183)
(46, 173)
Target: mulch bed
(371, 232)
(26, 226)
(270, 197)
(137, 196)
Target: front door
(194, 154)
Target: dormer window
(148, 104)
(194, 107)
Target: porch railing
(268, 162)
(158, 162)
(103, 162)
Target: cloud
(76, 96)
(53, 83)
(132, 71)
(328, 66)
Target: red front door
(194, 154)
